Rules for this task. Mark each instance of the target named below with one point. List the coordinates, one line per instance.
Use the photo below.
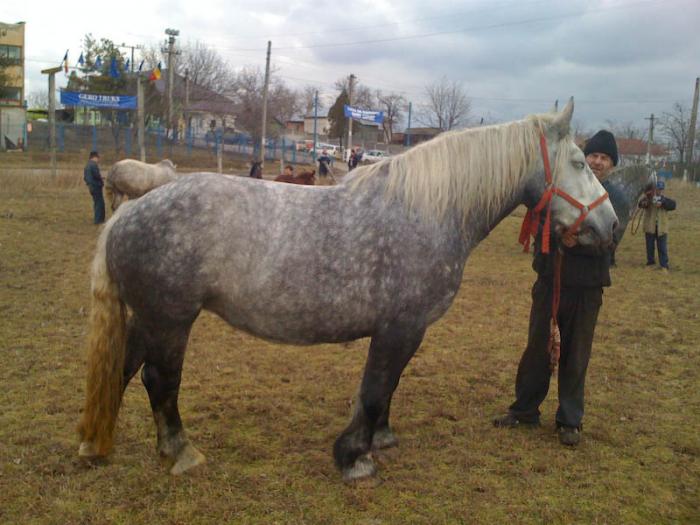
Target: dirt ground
(266, 415)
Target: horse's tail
(105, 360)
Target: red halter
(529, 228)
(532, 217)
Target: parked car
(375, 155)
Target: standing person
(93, 179)
(584, 273)
(288, 171)
(353, 160)
(256, 170)
(656, 206)
(324, 162)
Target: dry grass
(266, 415)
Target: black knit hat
(602, 142)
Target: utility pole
(315, 155)
(140, 117)
(408, 129)
(264, 103)
(52, 115)
(651, 138)
(172, 33)
(186, 110)
(126, 46)
(351, 81)
(693, 123)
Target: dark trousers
(661, 242)
(98, 204)
(578, 314)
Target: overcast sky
(621, 59)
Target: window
(11, 93)
(12, 52)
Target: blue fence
(123, 141)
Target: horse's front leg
(389, 353)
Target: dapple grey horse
(385, 251)
(133, 178)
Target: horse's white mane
(477, 168)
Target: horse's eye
(578, 164)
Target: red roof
(630, 147)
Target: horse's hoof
(362, 469)
(188, 458)
(87, 450)
(384, 438)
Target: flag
(141, 65)
(155, 74)
(98, 63)
(126, 66)
(81, 60)
(65, 62)
(113, 71)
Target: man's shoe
(569, 436)
(511, 421)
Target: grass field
(266, 415)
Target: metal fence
(122, 141)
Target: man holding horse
(583, 273)
(93, 179)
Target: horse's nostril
(615, 225)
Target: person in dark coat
(256, 170)
(324, 163)
(656, 206)
(585, 271)
(93, 179)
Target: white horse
(131, 179)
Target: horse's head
(167, 163)
(574, 187)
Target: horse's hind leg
(389, 353)
(161, 376)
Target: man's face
(600, 163)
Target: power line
(641, 3)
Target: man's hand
(569, 239)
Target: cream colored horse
(131, 179)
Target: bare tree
(283, 102)
(205, 67)
(626, 130)
(448, 106)
(675, 126)
(307, 96)
(361, 95)
(38, 99)
(392, 105)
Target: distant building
(633, 151)
(323, 125)
(12, 110)
(417, 135)
(205, 109)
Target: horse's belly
(295, 327)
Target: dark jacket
(582, 266)
(324, 162)
(92, 176)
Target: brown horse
(305, 177)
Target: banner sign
(364, 114)
(71, 98)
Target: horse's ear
(555, 107)
(562, 122)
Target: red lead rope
(528, 229)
